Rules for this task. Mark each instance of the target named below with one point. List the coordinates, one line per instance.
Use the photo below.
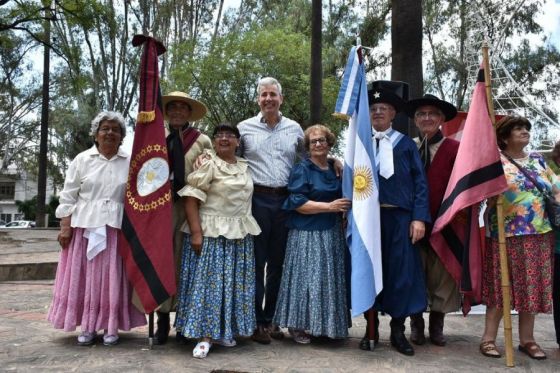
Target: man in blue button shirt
(271, 143)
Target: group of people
(259, 230)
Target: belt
(281, 191)
(386, 206)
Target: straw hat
(198, 109)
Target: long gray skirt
(312, 293)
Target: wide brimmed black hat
(377, 95)
(449, 110)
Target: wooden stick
(371, 324)
(150, 330)
(508, 337)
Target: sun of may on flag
(360, 185)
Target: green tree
(226, 79)
(29, 209)
(19, 99)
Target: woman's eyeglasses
(226, 135)
(319, 141)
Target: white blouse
(94, 189)
(225, 191)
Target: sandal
(201, 350)
(300, 336)
(225, 342)
(533, 350)
(488, 348)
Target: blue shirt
(270, 152)
(310, 183)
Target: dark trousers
(270, 247)
(556, 296)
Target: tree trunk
(42, 177)
(406, 41)
(316, 84)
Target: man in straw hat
(403, 198)
(184, 145)
(438, 156)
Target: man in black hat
(403, 198)
(184, 144)
(438, 156)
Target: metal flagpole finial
(358, 41)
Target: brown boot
(417, 329)
(436, 328)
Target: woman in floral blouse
(529, 240)
(216, 298)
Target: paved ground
(28, 343)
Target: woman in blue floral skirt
(312, 297)
(216, 299)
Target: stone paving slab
(29, 344)
(28, 254)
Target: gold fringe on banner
(146, 116)
(341, 116)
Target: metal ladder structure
(509, 96)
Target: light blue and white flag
(360, 185)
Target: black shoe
(181, 339)
(275, 332)
(364, 342)
(365, 345)
(436, 328)
(260, 335)
(162, 332)
(417, 329)
(400, 343)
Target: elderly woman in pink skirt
(91, 289)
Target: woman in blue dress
(312, 297)
(216, 298)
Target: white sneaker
(201, 350)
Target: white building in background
(17, 185)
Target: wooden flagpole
(508, 337)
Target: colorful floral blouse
(523, 203)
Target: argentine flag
(360, 185)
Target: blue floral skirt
(216, 295)
(312, 294)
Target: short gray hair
(268, 81)
(107, 115)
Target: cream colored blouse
(225, 191)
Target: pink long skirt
(93, 294)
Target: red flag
(454, 128)
(146, 236)
(477, 174)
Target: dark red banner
(146, 237)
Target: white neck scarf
(386, 167)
